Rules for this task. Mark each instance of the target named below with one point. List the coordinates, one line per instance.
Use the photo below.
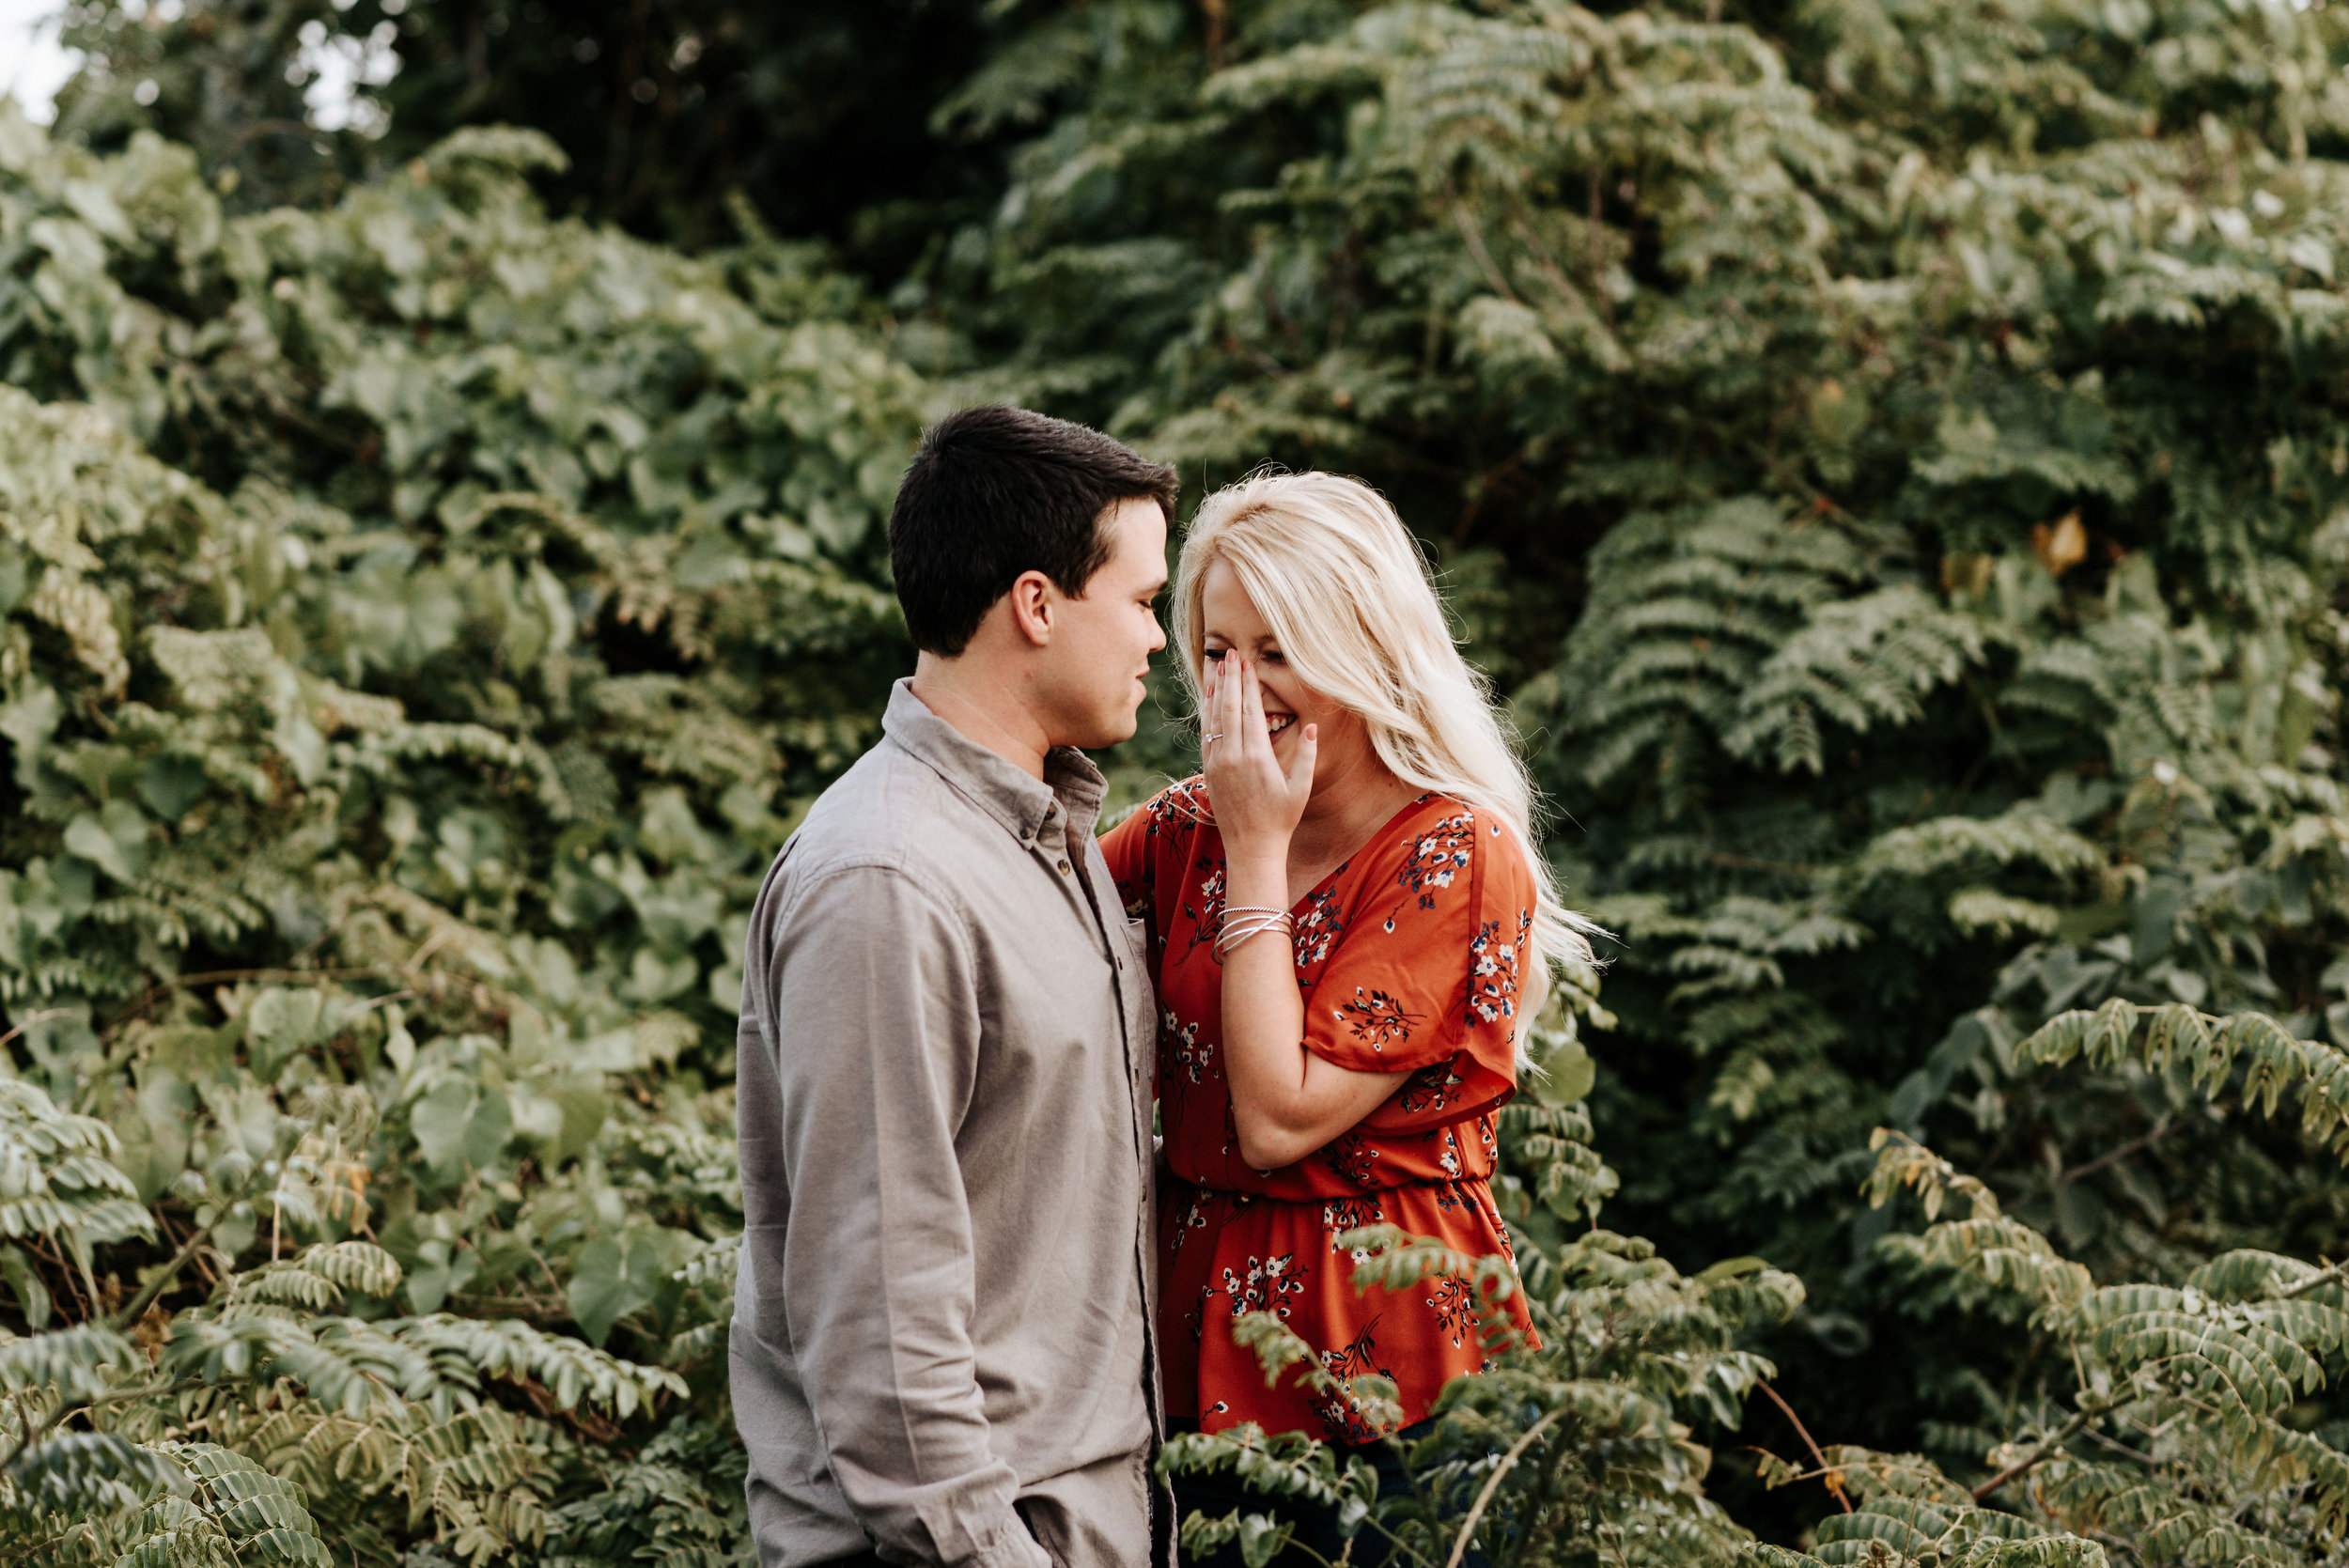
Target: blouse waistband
(1430, 1185)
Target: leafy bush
(1892, 453)
(2178, 1436)
(388, 786)
(1889, 454)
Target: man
(940, 1348)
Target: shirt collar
(1006, 792)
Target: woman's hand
(1287, 1102)
(1258, 802)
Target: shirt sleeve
(1138, 848)
(877, 1032)
(1424, 978)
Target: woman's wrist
(1256, 878)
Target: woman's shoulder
(1180, 806)
(1438, 842)
(1165, 820)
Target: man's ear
(1033, 600)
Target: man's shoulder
(886, 814)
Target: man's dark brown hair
(995, 491)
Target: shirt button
(1064, 865)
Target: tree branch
(2047, 1445)
(1827, 1471)
(1492, 1484)
(136, 1307)
(43, 1017)
(2162, 1130)
(2332, 1276)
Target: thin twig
(1827, 1471)
(215, 977)
(144, 1391)
(372, 1003)
(136, 1307)
(43, 1017)
(1824, 504)
(1492, 1484)
(2332, 1276)
(1217, 20)
(74, 1270)
(34, 1433)
(1483, 258)
(2146, 1459)
(2054, 1440)
(66, 1407)
(1793, 1475)
(2112, 1156)
(1747, 863)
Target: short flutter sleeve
(1128, 848)
(1148, 850)
(1426, 978)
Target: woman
(1360, 849)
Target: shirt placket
(1051, 840)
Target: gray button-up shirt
(941, 1345)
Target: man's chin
(1109, 730)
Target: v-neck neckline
(1377, 835)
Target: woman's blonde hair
(1340, 581)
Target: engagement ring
(1205, 739)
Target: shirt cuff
(1013, 1547)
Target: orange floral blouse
(1407, 955)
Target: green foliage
(315, 1411)
(1904, 1511)
(668, 112)
(58, 1183)
(1889, 454)
(678, 1504)
(1575, 1447)
(2181, 1439)
(422, 619)
(225, 1510)
(2274, 1061)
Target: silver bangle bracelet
(1232, 934)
